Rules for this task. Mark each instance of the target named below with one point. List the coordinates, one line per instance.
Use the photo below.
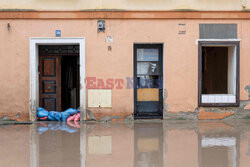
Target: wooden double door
(148, 81)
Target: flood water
(141, 144)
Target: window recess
(218, 73)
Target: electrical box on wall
(99, 98)
(101, 26)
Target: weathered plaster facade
(115, 60)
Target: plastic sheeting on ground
(45, 115)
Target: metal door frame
(161, 93)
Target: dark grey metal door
(148, 81)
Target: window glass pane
(147, 55)
(149, 68)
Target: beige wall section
(180, 58)
(126, 4)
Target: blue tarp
(55, 115)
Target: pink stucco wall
(180, 58)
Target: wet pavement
(139, 144)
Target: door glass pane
(148, 81)
(148, 68)
(147, 54)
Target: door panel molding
(53, 74)
(50, 85)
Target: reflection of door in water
(148, 80)
(148, 149)
(50, 82)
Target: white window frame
(34, 76)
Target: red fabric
(42, 118)
(71, 118)
(77, 118)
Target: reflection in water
(218, 152)
(248, 152)
(59, 145)
(62, 126)
(161, 144)
(148, 145)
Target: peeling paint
(214, 115)
(165, 94)
(115, 117)
(105, 119)
(32, 108)
(181, 115)
(247, 88)
(247, 106)
(17, 117)
(129, 118)
(165, 105)
(4, 118)
(90, 115)
(211, 109)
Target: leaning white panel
(218, 98)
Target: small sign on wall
(182, 28)
(58, 33)
(109, 39)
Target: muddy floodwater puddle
(136, 144)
